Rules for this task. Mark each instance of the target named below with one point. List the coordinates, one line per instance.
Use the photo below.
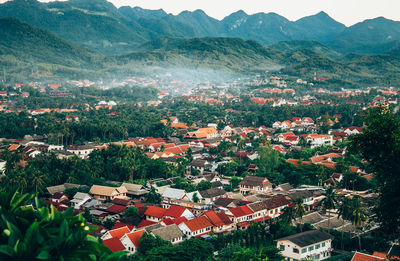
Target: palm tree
(299, 210)
(329, 202)
(37, 180)
(288, 215)
(344, 211)
(358, 215)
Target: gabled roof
(365, 257)
(179, 220)
(154, 211)
(58, 195)
(120, 224)
(217, 219)
(106, 191)
(198, 223)
(254, 181)
(168, 233)
(277, 201)
(241, 211)
(174, 193)
(307, 238)
(145, 223)
(134, 237)
(212, 192)
(174, 211)
(114, 244)
(116, 209)
(119, 232)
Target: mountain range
(99, 25)
(93, 39)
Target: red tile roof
(117, 209)
(174, 211)
(119, 224)
(135, 237)
(365, 257)
(213, 217)
(198, 223)
(119, 232)
(114, 244)
(217, 219)
(241, 211)
(154, 211)
(121, 201)
(13, 147)
(145, 223)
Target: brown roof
(106, 191)
(253, 181)
(168, 233)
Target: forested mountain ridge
(101, 26)
(28, 52)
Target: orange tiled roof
(154, 211)
(134, 237)
(114, 244)
(198, 223)
(119, 232)
(365, 257)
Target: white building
(310, 245)
(2, 166)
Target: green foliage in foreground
(379, 145)
(30, 231)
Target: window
(304, 250)
(317, 246)
(323, 244)
(311, 248)
(282, 247)
(295, 250)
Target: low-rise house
(81, 151)
(175, 211)
(171, 194)
(254, 184)
(103, 193)
(199, 165)
(241, 215)
(170, 233)
(59, 197)
(275, 205)
(114, 244)
(310, 245)
(260, 211)
(115, 233)
(220, 221)
(196, 227)
(135, 189)
(80, 199)
(210, 195)
(154, 213)
(131, 240)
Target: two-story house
(196, 227)
(103, 193)
(253, 184)
(310, 245)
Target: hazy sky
(345, 11)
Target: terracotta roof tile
(119, 232)
(198, 223)
(154, 211)
(174, 211)
(134, 237)
(114, 244)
